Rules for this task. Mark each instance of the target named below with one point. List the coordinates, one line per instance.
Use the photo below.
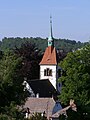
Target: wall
(51, 78)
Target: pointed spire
(51, 35)
(50, 39)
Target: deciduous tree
(76, 80)
(11, 88)
(31, 57)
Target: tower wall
(53, 77)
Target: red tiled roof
(49, 57)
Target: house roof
(63, 111)
(49, 57)
(40, 105)
(43, 87)
(60, 112)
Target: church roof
(43, 87)
(40, 105)
(49, 57)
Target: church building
(48, 85)
(44, 91)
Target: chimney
(37, 95)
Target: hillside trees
(62, 44)
(76, 80)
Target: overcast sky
(30, 18)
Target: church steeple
(48, 65)
(50, 39)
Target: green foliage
(14, 66)
(76, 79)
(62, 44)
(62, 117)
(31, 57)
(11, 88)
(11, 113)
(4, 117)
(72, 115)
(1, 54)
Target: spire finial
(51, 35)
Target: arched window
(47, 72)
(50, 72)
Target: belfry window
(45, 73)
(48, 72)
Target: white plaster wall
(51, 78)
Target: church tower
(48, 65)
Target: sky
(30, 18)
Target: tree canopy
(62, 44)
(76, 79)
(10, 79)
(31, 57)
(14, 66)
(11, 88)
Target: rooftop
(49, 57)
(43, 87)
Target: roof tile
(39, 105)
(49, 57)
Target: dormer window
(48, 72)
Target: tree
(14, 66)
(11, 88)
(11, 113)
(31, 58)
(76, 80)
(1, 54)
(64, 44)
